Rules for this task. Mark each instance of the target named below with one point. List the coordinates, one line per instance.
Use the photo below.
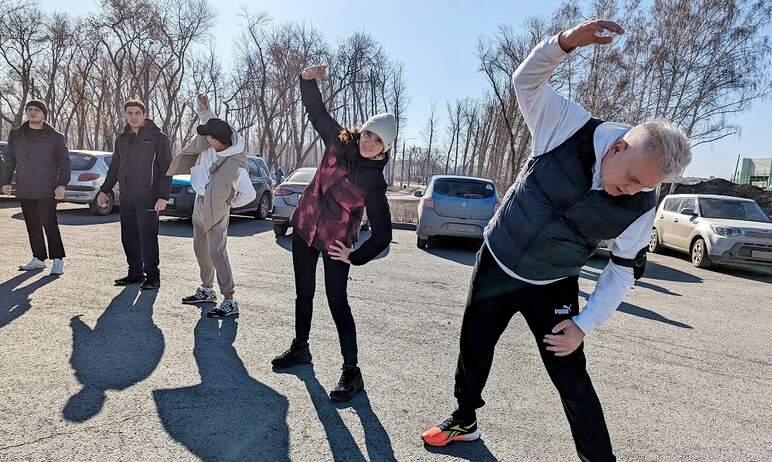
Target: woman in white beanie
(327, 220)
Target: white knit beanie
(385, 126)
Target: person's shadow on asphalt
(342, 443)
(14, 300)
(123, 349)
(229, 416)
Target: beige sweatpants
(212, 255)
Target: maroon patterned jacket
(333, 204)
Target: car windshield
(467, 189)
(80, 161)
(301, 176)
(732, 210)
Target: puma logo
(565, 309)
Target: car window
(263, 167)
(671, 204)
(688, 203)
(108, 160)
(80, 161)
(301, 176)
(732, 210)
(254, 172)
(465, 188)
(263, 170)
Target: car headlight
(726, 231)
(190, 190)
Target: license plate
(170, 201)
(761, 254)
(462, 228)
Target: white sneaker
(57, 269)
(32, 265)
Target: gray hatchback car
(458, 206)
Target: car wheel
(95, 209)
(654, 245)
(263, 207)
(422, 243)
(365, 226)
(280, 230)
(699, 254)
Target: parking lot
(90, 371)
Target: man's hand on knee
(569, 337)
(587, 33)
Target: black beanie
(38, 104)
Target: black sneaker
(350, 384)
(130, 279)
(297, 354)
(452, 429)
(151, 284)
(202, 295)
(226, 308)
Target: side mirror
(690, 212)
(418, 194)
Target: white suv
(721, 230)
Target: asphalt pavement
(93, 372)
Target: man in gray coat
(38, 154)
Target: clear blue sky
(436, 40)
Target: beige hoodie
(222, 177)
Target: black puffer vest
(551, 220)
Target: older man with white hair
(586, 180)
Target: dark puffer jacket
(345, 183)
(41, 163)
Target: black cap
(217, 129)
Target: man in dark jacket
(141, 158)
(38, 155)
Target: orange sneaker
(451, 430)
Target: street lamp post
(402, 166)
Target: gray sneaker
(226, 308)
(202, 295)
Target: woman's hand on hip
(339, 252)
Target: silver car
(721, 230)
(455, 206)
(286, 196)
(88, 173)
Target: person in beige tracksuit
(216, 160)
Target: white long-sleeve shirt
(552, 119)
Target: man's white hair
(667, 139)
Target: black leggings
(494, 297)
(304, 259)
(39, 215)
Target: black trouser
(304, 259)
(40, 214)
(139, 235)
(494, 297)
